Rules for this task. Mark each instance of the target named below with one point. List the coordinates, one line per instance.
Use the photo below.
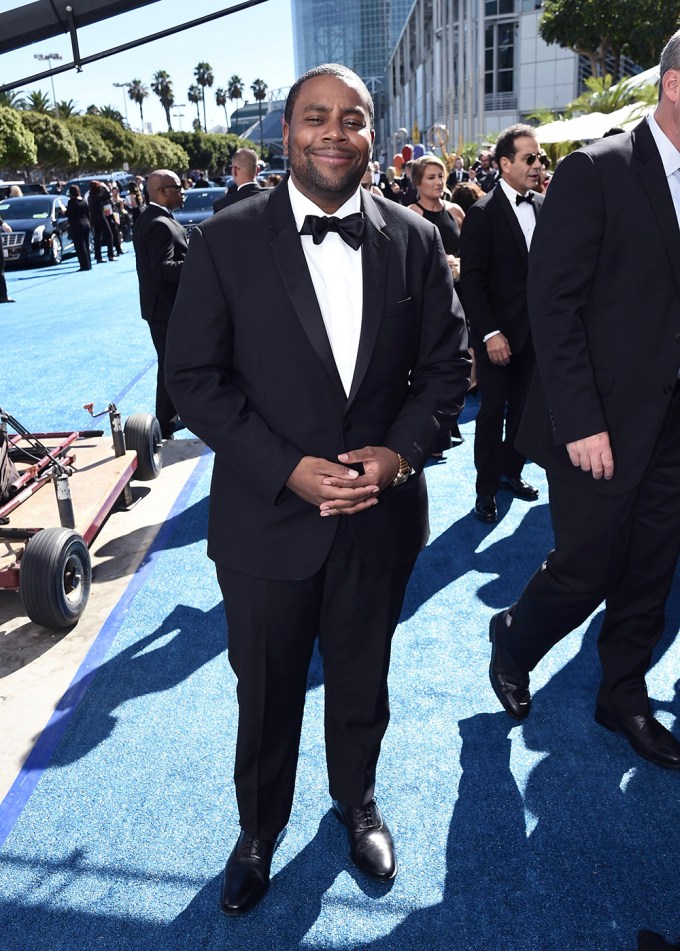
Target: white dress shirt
(670, 158)
(337, 276)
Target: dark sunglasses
(178, 188)
(531, 158)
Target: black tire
(56, 249)
(143, 434)
(55, 577)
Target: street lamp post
(124, 86)
(49, 57)
(179, 115)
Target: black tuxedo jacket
(494, 268)
(250, 368)
(604, 304)
(160, 247)
(250, 188)
(453, 179)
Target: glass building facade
(360, 34)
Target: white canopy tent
(591, 126)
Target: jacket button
(668, 389)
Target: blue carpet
(547, 835)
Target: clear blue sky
(255, 44)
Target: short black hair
(327, 69)
(505, 143)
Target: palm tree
(37, 101)
(66, 108)
(195, 95)
(162, 86)
(604, 95)
(107, 112)
(235, 89)
(13, 99)
(259, 89)
(138, 92)
(221, 100)
(204, 77)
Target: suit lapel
(294, 273)
(646, 161)
(374, 256)
(511, 217)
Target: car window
(26, 208)
(198, 199)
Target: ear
(504, 163)
(671, 84)
(286, 133)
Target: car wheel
(56, 249)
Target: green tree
(599, 29)
(17, 142)
(110, 112)
(164, 154)
(204, 77)
(57, 149)
(194, 94)
(93, 152)
(259, 90)
(37, 101)
(138, 92)
(221, 100)
(118, 139)
(162, 87)
(66, 108)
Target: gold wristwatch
(403, 472)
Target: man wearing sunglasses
(603, 418)
(494, 252)
(160, 246)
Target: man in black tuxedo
(244, 173)
(458, 174)
(321, 390)
(603, 416)
(160, 247)
(494, 252)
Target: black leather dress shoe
(246, 874)
(485, 508)
(370, 841)
(7, 300)
(511, 687)
(519, 488)
(647, 736)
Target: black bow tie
(529, 197)
(350, 229)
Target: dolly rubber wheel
(55, 577)
(143, 434)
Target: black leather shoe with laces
(646, 735)
(370, 841)
(246, 874)
(519, 488)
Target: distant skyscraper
(360, 34)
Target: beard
(316, 182)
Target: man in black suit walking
(603, 416)
(244, 173)
(494, 252)
(160, 246)
(322, 390)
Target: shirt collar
(670, 157)
(510, 192)
(303, 206)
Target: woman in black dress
(78, 215)
(101, 209)
(428, 174)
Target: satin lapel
(294, 273)
(517, 233)
(374, 256)
(646, 161)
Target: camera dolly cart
(56, 490)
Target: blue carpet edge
(39, 758)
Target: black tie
(528, 197)
(350, 229)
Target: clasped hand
(339, 490)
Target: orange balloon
(398, 162)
